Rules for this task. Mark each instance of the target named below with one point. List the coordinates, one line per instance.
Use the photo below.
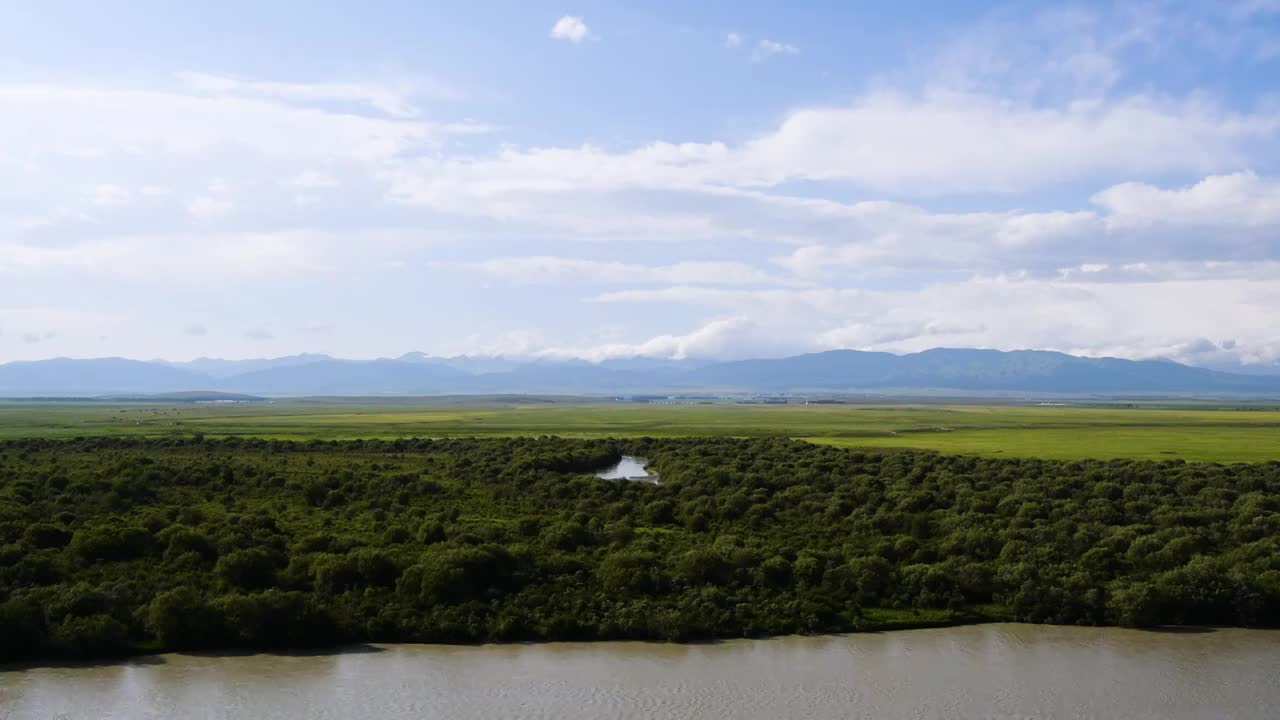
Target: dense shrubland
(110, 546)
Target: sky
(663, 179)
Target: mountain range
(941, 370)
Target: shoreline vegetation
(121, 546)
(878, 620)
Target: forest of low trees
(113, 546)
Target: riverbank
(872, 620)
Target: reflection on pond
(982, 671)
(629, 468)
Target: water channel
(982, 671)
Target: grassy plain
(1006, 430)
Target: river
(984, 671)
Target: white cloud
(207, 208)
(1052, 52)
(108, 195)
(732, 336)
(313, 180)
(229, 182)
(315, 328)
(1132, 317)
(207, 258)
(393, 100)
(934, 144)
(948, 142)
(1127, 319)
(1238, 199)
(1171, 271)
(879, 235)
(95, 122)
(766, 49)
(830, 240)
(514, 343)
(574, 270)
(726, 337)
(1136, 229)
(570, 28)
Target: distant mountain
(353, 377)
(644, 363)
(570, 376)
(957, 371)
(975, 370)
(192, 396)
(473, 364)
(68, 377)
(219, 368)
(825, 370)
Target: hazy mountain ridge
(219, 368)
(835, 371)
(65, 376)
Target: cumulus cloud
(1133, 319)
(766, 49)
(893, 235)
(1140, 229)
(812, 241)
(957, 143)
(830, 239)
(999, 195)
(1237, 199)
(1170, 319)
(931, 144)
(571, 28)
(722, 337)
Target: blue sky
(603, 180)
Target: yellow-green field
(1223, 435)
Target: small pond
(629, 468)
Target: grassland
(1188, 433)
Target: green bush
(137, 544)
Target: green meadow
(1193, 433)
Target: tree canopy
(111, 546)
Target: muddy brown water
(999, 671)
